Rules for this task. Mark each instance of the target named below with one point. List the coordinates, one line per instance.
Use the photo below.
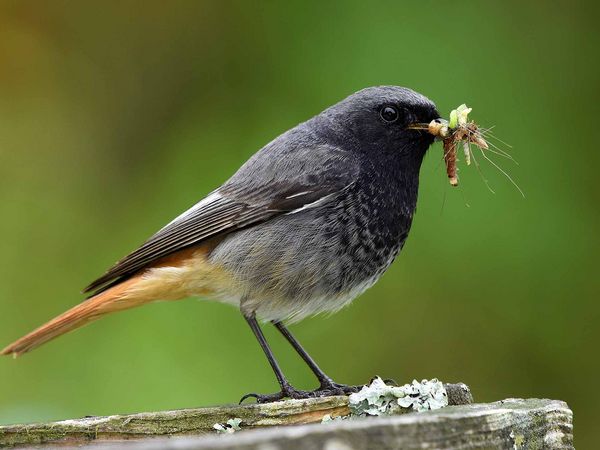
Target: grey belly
(301, 264)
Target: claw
(248, 396)
(266, 398)
(287, 392)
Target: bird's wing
(261, 189)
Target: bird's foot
(288, 391)
(329, 388)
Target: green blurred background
(117, 116)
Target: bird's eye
(389, 114)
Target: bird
(306, 225)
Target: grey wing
(256, 193)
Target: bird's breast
(317, 260)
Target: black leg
(268, 352)
(327, 385)
(287, 390)
(321, 376)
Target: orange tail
(182, 269)
(114, 299)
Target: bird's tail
(117, 298)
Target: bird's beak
(436, 127)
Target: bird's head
(377, 121)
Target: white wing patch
(208, 200)
(313, 204)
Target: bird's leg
(287, 390)
(327, 385)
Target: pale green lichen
(518, 440)
(327, 418)
(380, 399)
(231, 426)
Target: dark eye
(389, 113)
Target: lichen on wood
(189, 421)
(515, 424)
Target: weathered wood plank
(510, 424)
(188, 421)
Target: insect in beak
(457, 130)
(437, 127)
(460, 131)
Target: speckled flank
(297, 265)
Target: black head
(376, 119)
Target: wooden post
(522, 422)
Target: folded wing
(256, 193)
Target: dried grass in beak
(458, 129)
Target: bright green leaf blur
(117, 116)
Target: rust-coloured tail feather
(147, 286)
(115, 299)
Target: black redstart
(304, 226)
